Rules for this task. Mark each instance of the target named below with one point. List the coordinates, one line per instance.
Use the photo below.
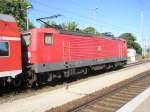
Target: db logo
(99, 48)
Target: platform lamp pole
(28, 7)
(142, 33)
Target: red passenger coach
(10, 47)
(52, 50)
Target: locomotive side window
(27, 38)
(48, 39)
(4, 49)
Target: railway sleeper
(119, 98)
(103, 107)
(114, 100)
(130, 93)
(108, 104)
(89, 109)
(94, 108)
(137, 87)
(142, 85)
(123, 95)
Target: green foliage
(63, 26)
(91, 30)
(131, 42)
(98, 33)
(49, 24)
(72, 26)
(137, 47)
(128, 36)
(17, 8)
(31, 25)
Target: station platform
(144, 107)
(140, 103)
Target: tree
(72, 26)
(16, 8)
(137, 47)
(63, 26)
(91, 30)
(31, 25)
(98, 33)
(131, 42)
(49, 24)
(128, 36)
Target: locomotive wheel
(17, 82)
(67, 73)
(50, 77)
(31, 79)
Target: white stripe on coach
(10, 38)
(10, 73)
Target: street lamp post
(142, 33)
(27, 19)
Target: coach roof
(8, 18)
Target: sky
(116, 16)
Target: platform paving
(144, 106)
(140, 103)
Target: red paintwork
(73, 47)
(13, 62)
(9, 29)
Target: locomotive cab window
(48, 39)
(27, 39)
(4, 49)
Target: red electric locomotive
(49, 53)
(55, 53)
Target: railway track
(112, 101)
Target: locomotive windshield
(27, 38)
(4, 49)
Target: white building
(131, 54)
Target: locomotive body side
(10, 47)
(64, 51)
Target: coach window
(4, 49)
(48, 39)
